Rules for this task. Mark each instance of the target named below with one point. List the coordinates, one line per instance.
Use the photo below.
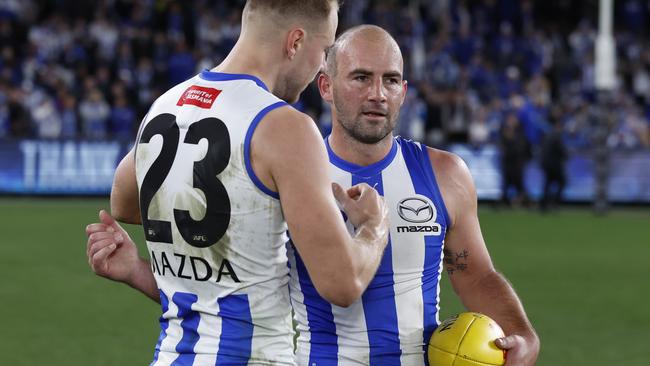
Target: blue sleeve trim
(247, 149)
(428, 168)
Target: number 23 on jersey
(207, 231)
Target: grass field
(583, 280)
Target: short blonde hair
(309, 10)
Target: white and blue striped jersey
(393, 320)
(215, 234)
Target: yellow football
(466, 339)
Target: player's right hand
(364, 207)
(111, 252)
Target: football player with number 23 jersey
(215, 185)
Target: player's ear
(294, 41)
(325, 87)
(405, 88)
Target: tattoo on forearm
(455, 261)
(462, 255)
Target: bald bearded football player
(433, 214)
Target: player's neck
(356, 152)
(245, 60)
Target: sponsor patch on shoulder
(199, 96)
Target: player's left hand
(522, 351)
(111, 252)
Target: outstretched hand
(111, 252)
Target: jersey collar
(365, 171)
(222, 76)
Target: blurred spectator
(106, 34)
(577, 127)
(479, 130)
(510, 84)
(9, 65)
(482, 78)
(412, 117)
(553, 157)
(515, 153)
(505, 47)
(94, 113)
(532, 115)
(144, 80)
(465, 46)
(209, 31)
(46, 119)
(122, 118)
(634, 15)
(4, 111)
(19, 121)
(69, 118)
(630, 131)
(641, 83)
(181, 64)
(582, 40)
(456, 124)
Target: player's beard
(364, 131)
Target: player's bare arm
(293, 161)
(125, 205)
(111, 252)
(113, 255)
(467, 261)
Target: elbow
(124, 215)
(341, 293)
(117, 213)
(343, 300)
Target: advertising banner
(79, 167)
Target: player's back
(398, 312)
(214, 233)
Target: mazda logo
(415, 210)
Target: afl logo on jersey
(415, 210)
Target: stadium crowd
(91, 69)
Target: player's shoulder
(287, 134)
(446, 162)
(291, 123)
(454, 181)
(441, 160)
(284, 144)
(167, 101)
(175, 92)
(288, 115)
(453, 176)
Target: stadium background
(76, 78)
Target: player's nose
(377, 92)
